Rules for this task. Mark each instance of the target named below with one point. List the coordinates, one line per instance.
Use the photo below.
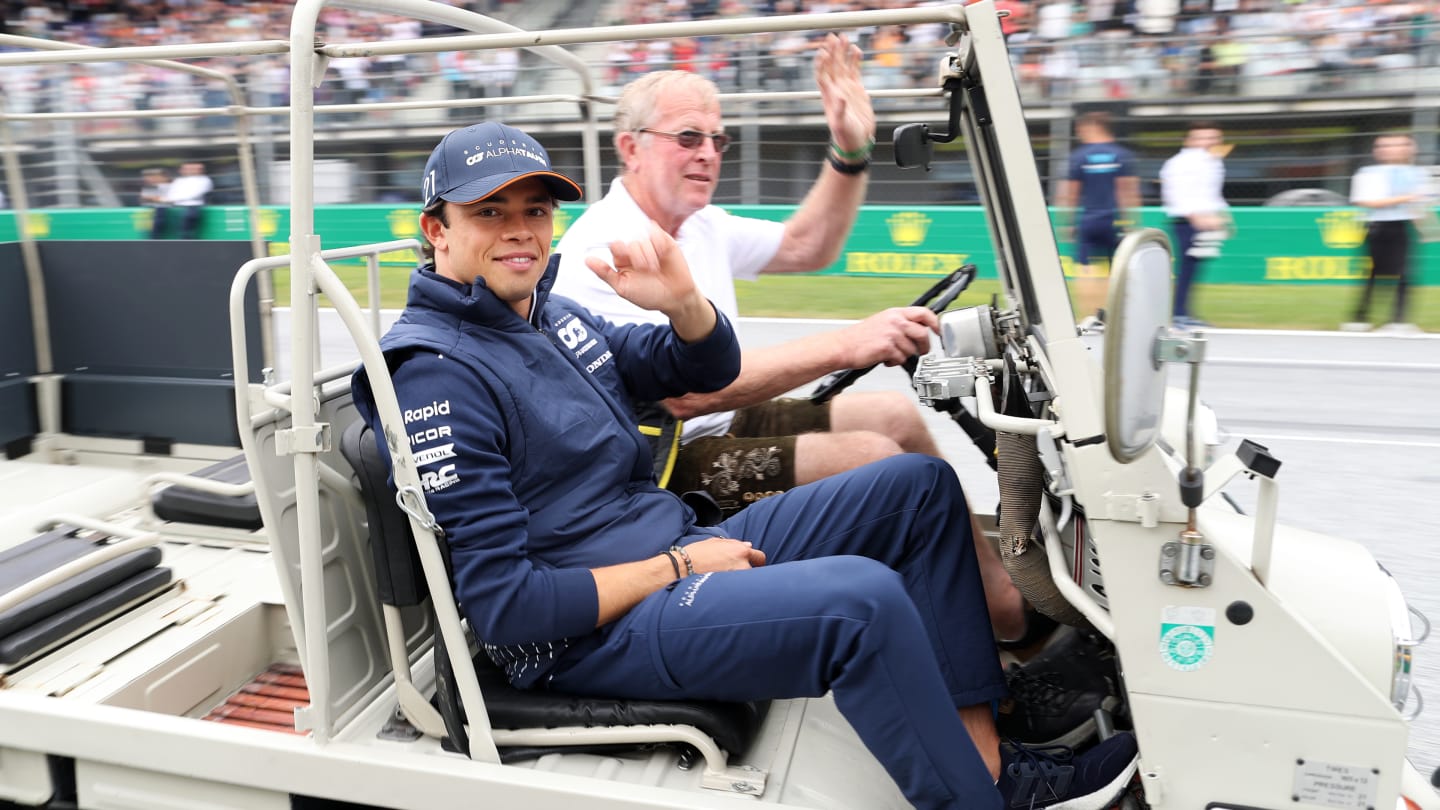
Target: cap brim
(561, 186)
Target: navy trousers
(1186, 266)
(871, 590)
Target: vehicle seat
(184, 504)
(528, 723)
(70, 607)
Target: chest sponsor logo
(436, 480)
(426, 412)
(598, 362)
(573, 334)
(427, 435)
(434, 454)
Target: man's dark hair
(1202, 124)
(437, 210)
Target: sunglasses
(692, 138)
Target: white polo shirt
(1191, 183)
(719, 247)
(1382, 181)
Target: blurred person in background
(1191, 189)
(1394, 192)
(1097, 200)
(154, 184)
(187, 193)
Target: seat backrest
(141, 332)
(398, 575)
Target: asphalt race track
(1353, 419)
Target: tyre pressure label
(1187, 637)
(1332, 785)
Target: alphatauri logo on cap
(511, 147)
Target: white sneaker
(1091, 325)
(1400, 329)
(1355, 326)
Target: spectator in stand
(1096, 202)
(887, 68)
(455, 69)
(1393, 192)
(494, 73)
(1191, 189)
(154, 184)
(1016, 19)
(187, 193)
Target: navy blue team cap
(472, 163)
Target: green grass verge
(1236, 306)
(1241, 306)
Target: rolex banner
(1288, 245)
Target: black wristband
(846, 168)
(674, 563)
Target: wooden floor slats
(268, 702)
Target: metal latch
(310, 439)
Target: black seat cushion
(182, 504)
(62, 610)
(732, 725)
(43, 554)
(61, 625)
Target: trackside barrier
(1309, 245)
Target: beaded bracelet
(859, 154)
(846, 168)
(685, 555)
(674, 563)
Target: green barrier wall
(1309, 245)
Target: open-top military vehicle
(194, 628)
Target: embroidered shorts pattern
(755, 460)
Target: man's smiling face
(668, 181)
(503, 239)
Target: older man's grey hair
(636, 108)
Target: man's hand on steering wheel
(890, 337)
(933, 301)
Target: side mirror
(1138, 310)
(912, 146)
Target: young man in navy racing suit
(581, 575)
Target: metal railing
(381, 147)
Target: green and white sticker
(1187, 636)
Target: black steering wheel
(940, 295)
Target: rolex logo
(562, 222)
(908, 228)
(269, 222)
(37, 225)
(403, 223)
(1342, 229)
